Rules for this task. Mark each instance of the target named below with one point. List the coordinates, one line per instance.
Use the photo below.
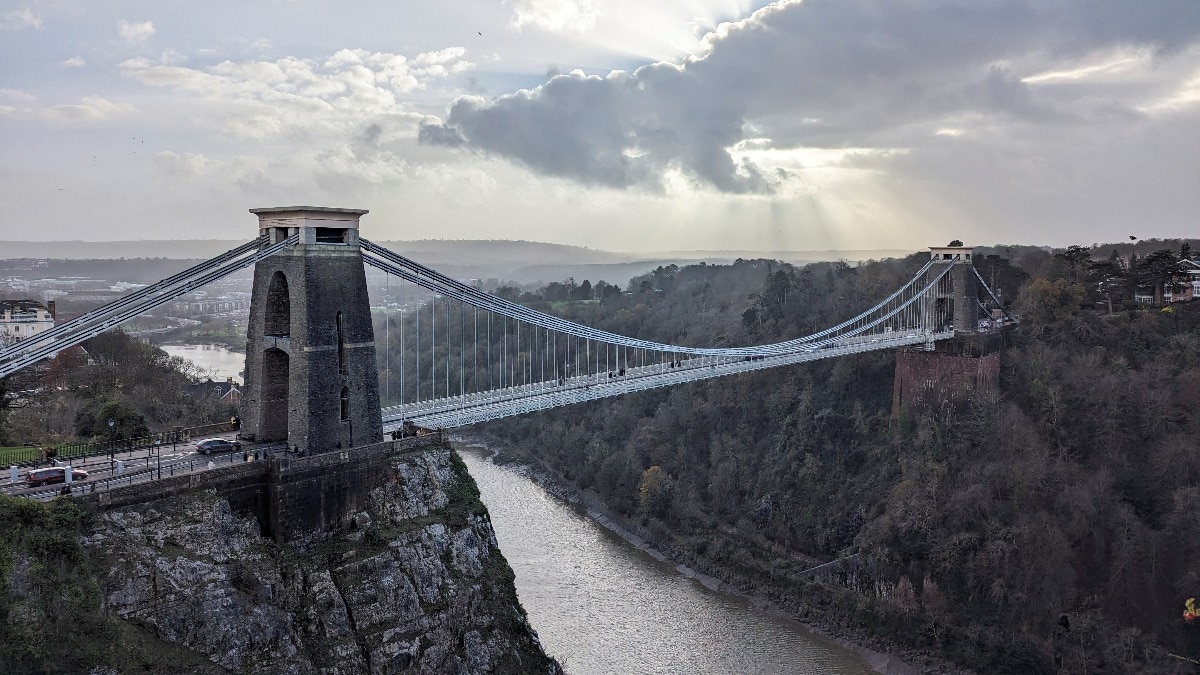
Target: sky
(614, 124)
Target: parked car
(54, 474)
(211, 445)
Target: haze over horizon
(810, 125)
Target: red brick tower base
(938, 378)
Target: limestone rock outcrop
(416, 584)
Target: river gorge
(601, 605)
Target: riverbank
(816, 610)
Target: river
(600, 605)
(220, 361)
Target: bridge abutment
(294, 499)
(934, 379)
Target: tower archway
(276, 389)
(278, 317)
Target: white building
(20, 319)
(1189, 278)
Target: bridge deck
(456, 411)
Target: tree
(1004, 278)
(1046, 302)
(1109, 279)
(92, 421)
(1075, 259)
(655, 491)
(509, 293)
(1157, 271)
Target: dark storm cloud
(819, 73)
(373, 134)
(440, 134)
(618, 131)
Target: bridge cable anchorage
(999, 305)
(199, 276)
(99, 313)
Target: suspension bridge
(466, 356)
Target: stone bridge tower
(957, 302)
(311, 378)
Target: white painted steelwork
(118, 312)
(456, 411)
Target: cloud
(184, 166)
(351, 94)
(608, 131)
(73, 62)
(133, 34)
(434, 133)
(20, 18)
(89, 109)
(555, 16)
(341, 167)
(824, 74)
(17, 95)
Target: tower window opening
(331, 235)
(278, 307)
(345, 403)
(341, 345)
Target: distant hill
(800, 257)
(525, 262)
(81, 250)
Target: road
(140, 466)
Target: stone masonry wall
(294, 498)
(243, 485)
(932, 379)
(312, 496)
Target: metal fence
(36, 455)
(153, 469)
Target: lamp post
(112, 441)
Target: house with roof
(227, 391)
(20, 319)
(1189, 279)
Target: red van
(54, 474)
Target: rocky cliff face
(418, 583)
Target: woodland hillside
(1047, 525)
(115, 376)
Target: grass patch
(18, 455)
